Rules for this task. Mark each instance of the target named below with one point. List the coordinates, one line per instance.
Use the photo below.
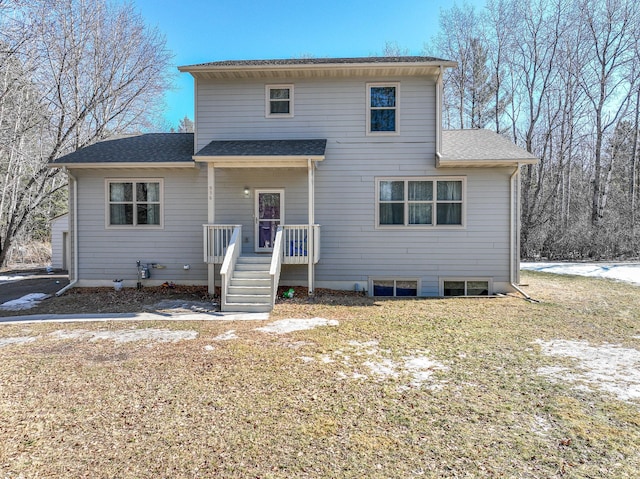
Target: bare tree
(87, 70)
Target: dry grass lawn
(399, 388)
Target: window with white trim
(465, 287)
(393, 287)
(134, 203)
(279, 101)
(382, 108)
(420, 202)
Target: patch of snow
(289, 325)
(129, 335)
(208, 347)
(384, 368)
(26, 302)
(17, 340)
(608, 367)
(6, 279)
(231, 334)
(306, 359)
(628, 272)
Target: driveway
(16, 284)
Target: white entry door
(269, 214)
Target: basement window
(464, 287)
(394, 287)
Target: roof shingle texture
(264, 148)
(480, 145)
(318, 61)
(147, 148)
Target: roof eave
(483, 163)
(258, 161)
(132, 164)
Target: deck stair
(250, 285)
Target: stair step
(250, 275)
(253, 267)
(247, 307)
(249, 298)
(253, 260)
(250, 282)
(249, 290)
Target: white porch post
(211, 218)
(310, 236)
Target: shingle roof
(148, 149)
(480, 148)
(318, 61)
(262, 148)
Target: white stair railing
(276, 264)
(234, 249)
(216, 241)
(296, 243)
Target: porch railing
(234, 249)
(296, 242)
(216, 241)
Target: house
(60, 245)
(325, 173)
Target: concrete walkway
(150, 316)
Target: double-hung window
(420, 202)
(382, 108)
(279, 101)
(132, 203)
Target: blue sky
(200, 31)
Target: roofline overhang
(282, 161)
(483, 163)
(129, 165)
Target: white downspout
(513, 222)
(310, 234)
(75, 234)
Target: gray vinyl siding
(59, 227)
(107, 254)
(353, 250)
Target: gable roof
(317, 67)
(480, 148)
(147, 150)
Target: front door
(269, 214)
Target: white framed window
(420, 202)
(399, 287)
(134, 203)
(383, 100)
(450, 287)
(279, 101)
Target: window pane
(148, 192)
(450, 190)
(406, 288)
(449, 213)
(420, 191)
(420, 213)
(454, 288)
(477, 288)
(121, 214)
(279, 107)
(383, 120)
(383, 97)
(120, 192)
(148, 215)
(383, 288)
(391, 213)
(279, 93)
(391, 190)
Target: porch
(247, 232)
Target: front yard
(403, 388)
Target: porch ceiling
(261, 153)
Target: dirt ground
(128, 300)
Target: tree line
(72, 73)
(562, 80)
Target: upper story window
(279, 101)
(382, 108)
(420, 202)
(134, 203)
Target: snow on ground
(128, 335)
(26, 302)
(608, 367)
(289, 325)
(231, 334)
(16, 340)
(4, 278)
(628, 272)
(415, 370)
